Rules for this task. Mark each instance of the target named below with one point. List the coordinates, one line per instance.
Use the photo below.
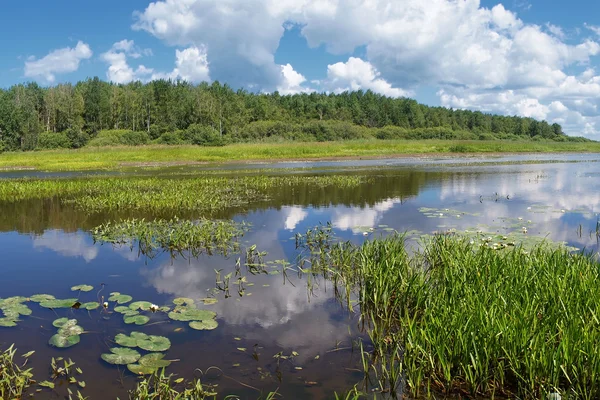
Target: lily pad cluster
(185, 310)
(13, 308)
(68, 333)
(136, 363)
(131, 314)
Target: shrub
(203, 135)
(120, 138)
(170, 138)
(77, 137)
(54, 140)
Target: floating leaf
(125, 341)
(183, 300)
(62, 341)
(57, 303)
(136, 319)
(92, 305)
(154, 343)
(122, 309)
(47, 384)
(36, 298)
(209, 300)
(28, 354)
(140, 305)
(70, 328)
(192, 314)
(207, 325)
(130, 313)
(154, 360)
(120, 298)
(82, 288)
(140, 369)
(7, 323)
(121, 356)
(139, 335)
(59, 323)
(21, 309)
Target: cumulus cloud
(356, 74)
(191, 65)
(464, 50)
(60, 61)
(119, 70)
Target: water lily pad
(12, 301)
(154, 343)
(120, 298)
(62, 341)
(82, 288)
(139, 335)
(154, 360)
(207, 325)
(183, 300)
(70, 329)
(140, 369)
(121, 356)
(122, 309)
(59, 323)
(37, 298)
(16, 309)
(130, 313)
(191, 314)
(136, 319)
(7, 323)
(140, 305)
(57, 303)
(92, 305)
(125, 341)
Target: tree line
(165, 111)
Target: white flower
(365, 233)
(520, 218)
(153, 308)
(529, 208)
(105, 304)
(562, 211)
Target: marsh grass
(206, 195)
(117, 157)
(15, 379)
(174, 236)
(459, 319)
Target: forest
(98, 113)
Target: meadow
(104, 158)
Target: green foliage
(54, 140)
(14, 378)
(120, 138)
(174, 112)
(459, 317)
(160, 386)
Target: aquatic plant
(14, 378)
(143, 341)
(454, 318)
(174, 236)
(68, 333)
(13, 308)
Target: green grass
(467, 320)
(164, 196)
(116, 157)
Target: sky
(533, 58)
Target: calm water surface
(46, 248)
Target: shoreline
(122, 157)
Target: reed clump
(454, 318)
(206, 195)
(174, 236)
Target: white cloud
(67, 244)
(292, 81)
(593, 28)
(294, 217)
(459, 47)
(59, 61)
(119, 70)
(358, 74)
(191, 65)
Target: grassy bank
(116, 157)
(462, 319)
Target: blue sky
(535, 58)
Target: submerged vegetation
(455, 318)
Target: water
(47, 249)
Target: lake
(48, 248)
